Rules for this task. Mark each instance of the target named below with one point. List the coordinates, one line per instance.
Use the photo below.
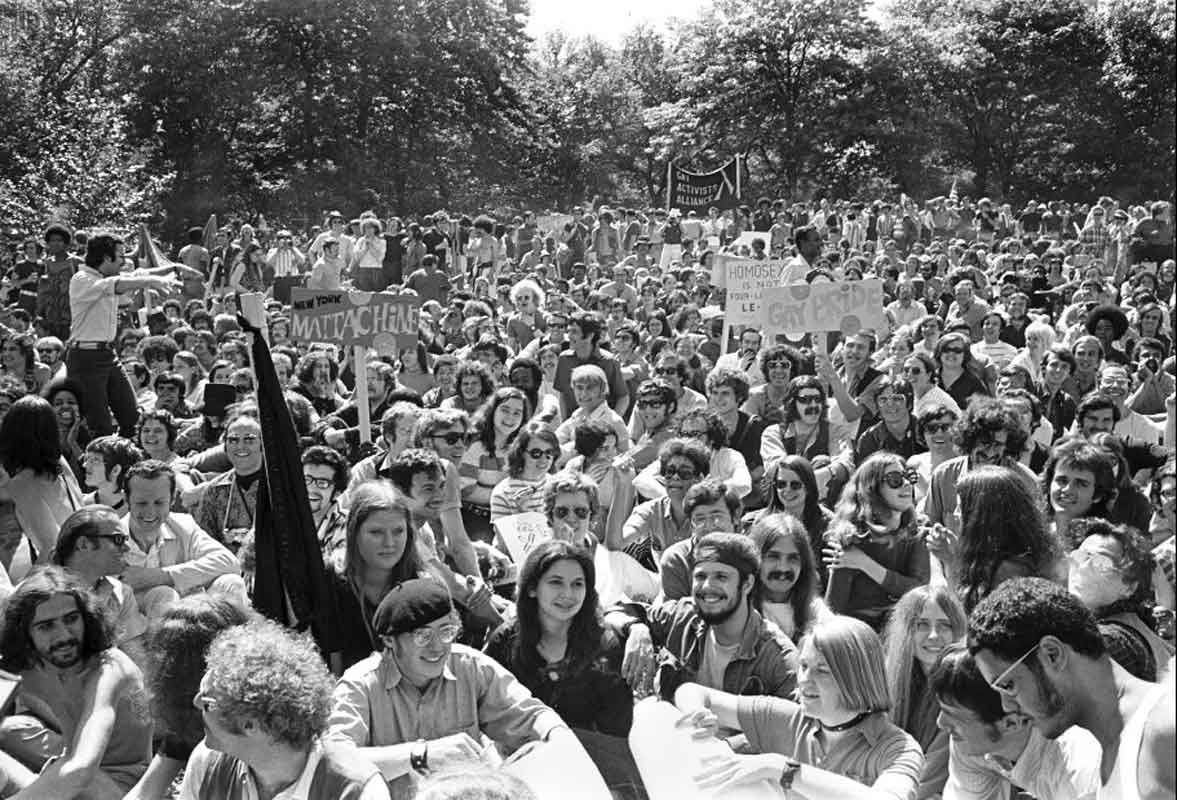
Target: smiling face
(57, 630)
(917, 374)
(561, 591)
(381, 539)
(931, 633)
(723, 400)
(588, 392)
(780, 566)
(1087, 356)
(893, 407)
(819, 693)
(791, 491)
(420, 664)
(717, 591)
(508, 417)
(243, 445)
(148, 502)
(651, 412)
(1072, 491)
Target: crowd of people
(931, 560)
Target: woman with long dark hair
(925, 621)
(18, 360)
(874, 550)
(176, 648)
(788, 588)
(790, 485)
(42, 485)
(474, 387)
(484, 464)
(556, 644)
(960, 375)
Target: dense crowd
(934, 559)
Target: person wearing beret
(426, 703)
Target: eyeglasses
(248, 438)
(318, 483)
(778, 365)
(1101, 562)
(204, 703)
(650, 404)
(809, 399)
(423, 637)
(118, 539)
(450, 438)
(563, 512)
(913, 371)
(998, 684)
(538, 453)
(896, 479)
(937, 427)
(791, 485)
(954, 350)
(683, 473)
(666, 371)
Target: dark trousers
(106, 389)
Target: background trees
(121, 110)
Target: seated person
(82, 727)
(726, 465)
(168, 555)
(425, 702)
(840, 724)
(591, 389)
(656, 524)
(92, 546)
(715, 636)
(105, 461)
(711, 509)
(992, 751)
(808, 430)
(264, 700)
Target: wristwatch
(419, 756)
(792, 767)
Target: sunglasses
(119, 539)
(450, 438)
(896, 479)
(683, 473)
(538, 453)
(791, 485)
(563, 512)
(937, 427)
(650, 404)
(956, 350)
(913, 371)
(809, 399)
(666, 371)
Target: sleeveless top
(1123, 783)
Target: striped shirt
(517, 496)
(478, 468)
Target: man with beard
(84, 723)
(168, 555)
(1040, 648)
(714, 637)
(989, 434)
(325, 473)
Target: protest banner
(844, 306)
(698, 191)
(745, 279)
(552, 223)
(522, 532)
(386, 322)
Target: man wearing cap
(91, 359)
(714, 637)
(426, 703)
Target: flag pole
(669, 172)
(739, 188)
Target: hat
(411, 605)
(217, 398)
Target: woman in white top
(1039, 338)
(727, 465)
(934, 426)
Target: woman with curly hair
(1108, 323)
(557, 646)
(18, 360)
(474, 386)
(176, 648)
(530, 460)
(1002, 536)
(925, 621)
(788, 586)
(484, 464)
(873, 549)
(778, 363)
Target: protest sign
(552, 223)
(387, 322)
(845, 306)
(745, 279)
(698, 191)
(522, 532)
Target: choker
(845, 726)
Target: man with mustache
(84, 721)
(714, 637)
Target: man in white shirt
(285, 259)
(992, 750)
(808, 241)
(336, 231)
(904, 308)
(168, 555)
(745, 359)
(91, 359)
(1116, 382)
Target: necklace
(847, 725)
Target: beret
(411, 605)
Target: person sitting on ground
(788, 588)
(106, 460)
(711, 508)
(83, 730)
(264, 700)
